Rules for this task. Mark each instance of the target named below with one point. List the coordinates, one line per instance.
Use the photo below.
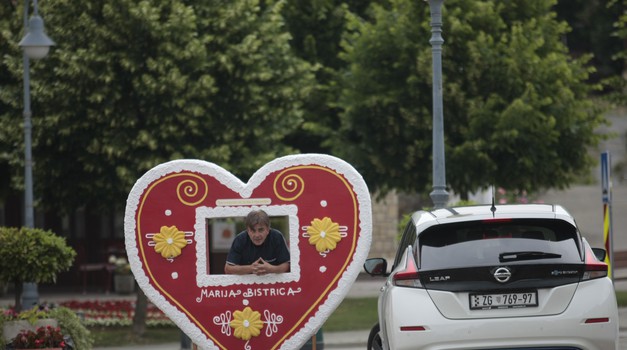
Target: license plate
(503, 300)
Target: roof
(483, 212)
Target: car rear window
(479, 243)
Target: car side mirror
(600, 253)
(376, 267)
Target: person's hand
(260, 267)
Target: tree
(517, 110)
(132, 84)
(618, 83)
(140, 315)
(316, 28)
(592, 23)
(32, 255)
(7, 10)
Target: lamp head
(36, 43)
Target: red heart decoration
(182, 215)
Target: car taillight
(597, 320)
(496, 220)
(409, 276)
(594, 268)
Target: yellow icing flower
(169, 242)
(324, 234)
(246, 323)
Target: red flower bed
(114, 313)
(42, 338)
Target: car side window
(408, 238)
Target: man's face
(258, 233)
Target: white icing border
(334, 298)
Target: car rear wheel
(374, 339)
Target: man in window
(259, 250)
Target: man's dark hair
(257, 217)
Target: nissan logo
(502, 274)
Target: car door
(408, 238)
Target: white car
(495, 277)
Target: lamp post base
(440, 197)
(30, 296)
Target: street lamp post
(35, 44)
(439, 195)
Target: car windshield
(481, 243)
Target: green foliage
(32, 255)
(618, 84)
(5, 316)
(71, 325)
(517, 108)
(593, 23)
(32, 315)
(621, 298)
(68, 321)
(382, 130)
(316, 28)
(131, 84)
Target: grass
(351, 314)
(621, 298)
(123, 336)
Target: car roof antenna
(493, 208)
